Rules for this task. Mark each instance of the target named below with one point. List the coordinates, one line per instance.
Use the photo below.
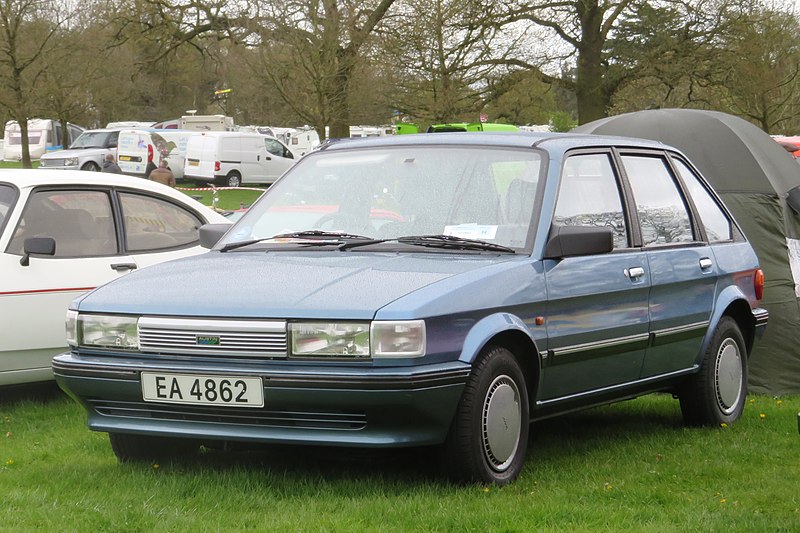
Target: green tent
(759, 181)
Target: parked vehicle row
(223, 158)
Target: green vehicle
(402, 129)
(473, 126)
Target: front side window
(81, 223)
(716, 223)
(152, 224)
(589, 196)
(387, 193)
(663, 215)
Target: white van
(43, 135)
(140, 151)
(233, 158)
(299, 140)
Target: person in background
(163, 174)
(110, 165)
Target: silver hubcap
(728, 376)
(502, 424)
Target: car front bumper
(364, 407)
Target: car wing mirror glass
(567, 241)
(38, 246)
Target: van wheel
(91, 166)
(233, 179)
(488, 438)
(716, 394)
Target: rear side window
(589, 196)
(152, 224)
(715, 222)
(663, 215)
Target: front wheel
(91, 166)
(129, 447)
(716, 394)
(488, 438)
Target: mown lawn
(626, 467)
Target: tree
(442, 54)
(26, 37)
(607, 55)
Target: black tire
(488, 438)
(233, 179)
(716, 394)
(91, 166)
(129, 447)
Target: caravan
(140, 151)
(43, 135)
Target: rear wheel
(488, 438)
(233, 179)
(129, 447)
(91, 166)
(716, 394)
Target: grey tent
(760, 183)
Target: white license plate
(202, 389)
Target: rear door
(682, 267)
(597, 318)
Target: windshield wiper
(325, 238)
(437, 241)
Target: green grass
(626, 467)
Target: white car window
(153, 224)
(80, 221)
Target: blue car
(430, 290)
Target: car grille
(244, 338)
(51, 162)
(252, 417)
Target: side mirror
(39, 246)
(566, 241)
(210, 234)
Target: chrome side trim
(599, 345)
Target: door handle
(705, 263)
(634, 273)
(123, 266)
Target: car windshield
(91, 139)
(476, 193)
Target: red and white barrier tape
(219, 189)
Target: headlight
(72, 328)
(320, 339)
(404, 338)
(71, 162)
(118, 332)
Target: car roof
(559, 142)
(29, 178)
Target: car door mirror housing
(567, 241)
(210, 234)
(38, 246)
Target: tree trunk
(593, 98)
(24, 142)
(338, 91)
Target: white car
(62, 235)
(86, 153)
